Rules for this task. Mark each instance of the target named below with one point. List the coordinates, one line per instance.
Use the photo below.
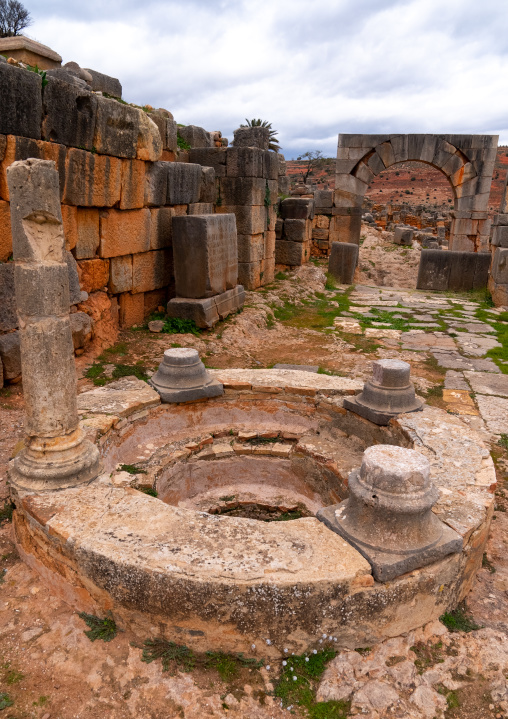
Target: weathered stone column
(56, 454)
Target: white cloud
(313, 69)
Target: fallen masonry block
(343, 261)
(208, 311)
(403, 236)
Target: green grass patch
(298, 682)
(435, 392)
(150, 491)
(174, 325)
(288, 516)
(228, 665)
(182, 144)
(503, 441)
(104, 629)
(270, 321)
(6, 512)
(331, 283)
(5, 701)
(127, 370)
(119, 349)
(281, 276)
(132, 469)
(459, 620)
(95, 370)
(41, 701)
(12, 676)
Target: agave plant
(274, 143)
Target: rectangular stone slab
(208, 311)
(205, 255)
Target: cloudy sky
(313, 68)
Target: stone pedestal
(182, 377)
(56, 454)
(206, 269)
(388, 394)
(343, 262)
(388, 517)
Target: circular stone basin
(181, 565)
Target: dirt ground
(49, 669)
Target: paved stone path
(457, 333)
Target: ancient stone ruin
(108, 218)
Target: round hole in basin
(262, 488)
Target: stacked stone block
(467, 160)
(246, 185)
(498, 280)
(321, 242)
(206, 269)
(294, 231)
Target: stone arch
(466, 160)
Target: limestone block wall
(294, 231)
(417, 216)
(498, 280)
(246, 184)
(321, 224)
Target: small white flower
(314, 651)
(286, 651)
(324, 636)
(268, 641)
(306, 659)
(253, 646)
(284, 663)
(295, 678)
(267, 667)
(335, 639)
(320, 641)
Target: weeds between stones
(298, 682)
(176, 656)
(149, 490)
(132, 469)
(427, 655)
(488, 565)
(6, 512)
(458, 620)
(104, 629)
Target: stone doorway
(466, 160)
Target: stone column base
(389, 565)
(55, 463)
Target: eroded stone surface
(494, 411)
(121, 398)
(287, 378)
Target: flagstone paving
(456, 333)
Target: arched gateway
(466, 160)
